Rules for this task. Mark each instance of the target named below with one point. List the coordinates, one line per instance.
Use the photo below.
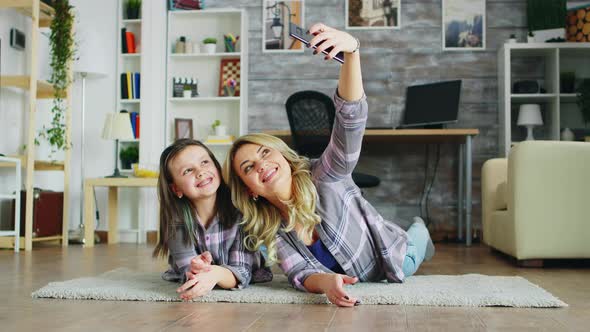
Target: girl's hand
(201, 263)
(332, 285)
(330, 37)
(198, 285)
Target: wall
(392, 60)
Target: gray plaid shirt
(226, 246)
(362, 242)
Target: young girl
(197, 218)
(310, 215)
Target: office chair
(311, 118)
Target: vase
(220, 130)
(132, 13)
(567, 135)
(210, 48)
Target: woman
(309, 214)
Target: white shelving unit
(15, 194)
(197, 25)
(128, 62)
(559, 109)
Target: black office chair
(311, 118)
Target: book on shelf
(215, 139)
(130, 85)
(130, 40)
(124, 49)
(134, 117)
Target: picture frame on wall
(464, 25)
(183, 128)
(276, 18)
(373, 14)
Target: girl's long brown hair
(179, 212)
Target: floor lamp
(89, 65)
(77, 235)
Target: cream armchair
(536, 203)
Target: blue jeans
(417, 240)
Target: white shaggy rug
(470, 290)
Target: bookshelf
(208, 106)
(543, 63)
(129, 61)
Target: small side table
(113, 184)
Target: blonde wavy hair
(262, 220)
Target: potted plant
(133, 9)
(219, 129)
(530, 38)
(512, 39)
(62, 50)
(210, 45)
(584, 100)
(129, 156)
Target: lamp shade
(529, 115)
(117, 126)
(91, 54)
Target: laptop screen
(434, 103)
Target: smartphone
(298, 33)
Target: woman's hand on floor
(339, 40)
(333, 286)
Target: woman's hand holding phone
(326, 37)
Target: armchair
(536, 203)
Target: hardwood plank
(25, 272)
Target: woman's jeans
(418, 237)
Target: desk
(463, 137)
(113, 184)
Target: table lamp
(117, 126)
(529, 116)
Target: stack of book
(130, 88)
(226, 139)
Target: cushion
(500, 200)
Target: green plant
(215, 124)
(134, 4)
(129, 155)
(61, 40)
(210, 41)
(583, 99)
(543, 14)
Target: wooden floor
(23, 273)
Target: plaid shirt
(364, 244)
(226, 246)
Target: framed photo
(276, 17)
(464, 25)
(373, 14)
(229, 78)
(183, 128)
